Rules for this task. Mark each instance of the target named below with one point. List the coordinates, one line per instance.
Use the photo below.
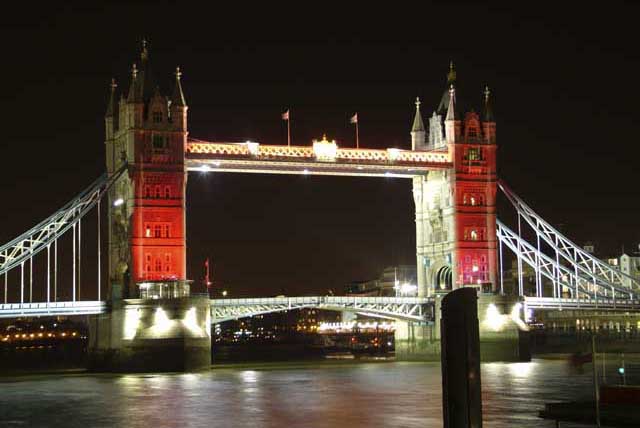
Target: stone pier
(156, 333)
(501, 337)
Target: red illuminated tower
(473, 147)
(147, 224)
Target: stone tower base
(150, 335)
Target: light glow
(254, 148)
(393, 153)
(325, 150)
(118, 202)
(131, 323)
(161, 321)
(190, 322)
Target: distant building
(393, 281)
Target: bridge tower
(455, 209)
(147, 206)
(154, 322)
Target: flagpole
(289, 128)
(357, 136)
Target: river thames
(354, 395)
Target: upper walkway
(323, 158)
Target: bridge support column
(500, 337)
(165, 334)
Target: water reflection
(358, 395)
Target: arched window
(158, 265)
(167, 192)
(147, 191)
(158, 191)
(474, 235)
(167, 231)
(157, 231)
(167, 262)
(147, 231)
(473, 200)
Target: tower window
(159, 144)
(474, 154)
(157, 116)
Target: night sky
(566, 97)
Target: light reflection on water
(320, 395)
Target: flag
(354, 118)
(285, 115)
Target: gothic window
(467, 259)
(158, 192)
(147, 191)
(473, 200)
(158, 265)
(147, 231)
(157, 116)
(147, 265)
(167, 231)
(474, 235)
(159, 144)
(167, 192)
(157, 231)
(474, 154)
(167, 262)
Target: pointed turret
(112, 97)
(178, 105)
(487, 108)
(452, 125)
(177, 99)
(451, 107)
(451, 81)
(488, 119)
(131, 97)
(417, 130)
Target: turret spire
(451, 109)
(144, 54)
(112, 97)
(451, 76)
(487, 109)
(178, 96)
(131, 97)
(418, 125)
(451, 81)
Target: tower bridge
(148, 310)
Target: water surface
(320, 395)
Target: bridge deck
(403, 308)
(17, 310)
(551, 303)
(252, 157)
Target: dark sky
(566, 99)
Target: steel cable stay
(588, 265)
(37, 239)
(550, 269)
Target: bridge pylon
(154, 323)
(456, 242)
